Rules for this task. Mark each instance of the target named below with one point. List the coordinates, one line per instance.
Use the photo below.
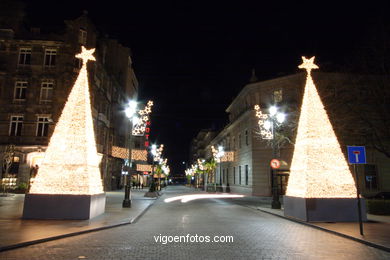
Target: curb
(362, 241)
(43, 240)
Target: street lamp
(268, 124)
(130, 113)
(218, 154)
(156, 153)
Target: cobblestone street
(256, 235)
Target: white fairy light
(264, 124)
(140, 126)
(318, 167)
(157, 152)
(71, 162)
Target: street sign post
(275, 164)
(357, 155)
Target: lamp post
(218, 154)
(130, 112)
(156, 153)
(268, 124)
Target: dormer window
(83, 36)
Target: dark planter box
(63, 206)
(324, 209)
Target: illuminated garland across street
(140, 126)
(71, 162)
(318, 167)
(144, 167)
(123, 153)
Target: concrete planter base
(63, 206)
(324, 209)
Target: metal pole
(275, 193)
(127, 200)
(358, 201)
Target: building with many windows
(353, 109)
(37, 71)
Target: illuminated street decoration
(318, 168)
(71, 163)
(123, 153)
(228, 157)
(217, 154)
(144, 167)
(120, 152)
(200, 164)
(139, 126)
(189, 172)
(139, 155)
(157, 152)
(265, 129)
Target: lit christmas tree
(318, 168)
(71, 163)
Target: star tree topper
(308, 64)
(86, 55)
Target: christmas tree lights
(71, 162)
(318, 168)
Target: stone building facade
(248, 170)
(37, 72)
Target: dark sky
(193, 57)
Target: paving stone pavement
(256, 235)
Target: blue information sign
(356, 154)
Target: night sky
(193, 57)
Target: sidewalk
(376, 230)
(16, 231)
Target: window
(43, 125)
(24, 56)
(278, 96)
(14, 168)
(239, 141)
(246, 138)
(371, 179)
(239, 174)
(16, 124)
(246, 174)
(47, 90)
(234, 175)
(234, 143)
(83, 36)
(227, 175)
(50, 57)
(20, 90)
(223, 176)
